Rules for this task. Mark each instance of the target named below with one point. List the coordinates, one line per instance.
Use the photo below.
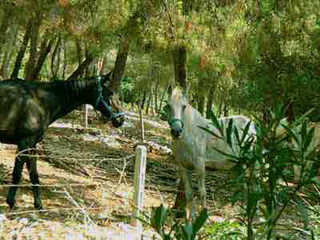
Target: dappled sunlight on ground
(87, 187)
(87, 184)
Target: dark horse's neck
(68, 95)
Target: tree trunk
(225, 111)
(12, 39)
(155, 77)
(180, 68)
(200, 104)
(144, 96)
(120, 65)
(45, 50)
(289, 112)
(31, 64)
(210, 102)
(4, 71)
(266, 116)
(6, 20)
(79, 51)
(82, 67)
(55, 59)
(220, 105)
(156, 98)
(65, 64)
(187, 6)
(149, 103)
(22, 51)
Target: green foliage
(225, 231)
(254, 54)
(186, 231)
(264, 162)
(315, 220)
(163, 114)
(127, 90)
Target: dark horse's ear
(106, 78)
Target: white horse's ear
(171, 86)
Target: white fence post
(139, 183)
(86, 110)
(139, 180)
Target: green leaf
(245, 131)
(303, 133)
(229, 132)
(248, 144)
(211, 132)
(302, 118)
(159, 218)
(231, 157)
(187, 231)
(236, 134)
(309, 138)
(200, 221)
(216, 123)
(291, 133)
(304, 213)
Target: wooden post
(139, 183)
(141, 124)
(139, 180)
(86, 116)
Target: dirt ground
(87, 181)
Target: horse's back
(215, 159)
(20, 112)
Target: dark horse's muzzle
(117, 118)
(176, 126)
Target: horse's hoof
(11, 205)
(11, 209)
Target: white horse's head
(177, 108)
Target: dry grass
(96, 205)
(88, 186)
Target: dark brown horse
(27, 108)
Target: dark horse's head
(107, 102)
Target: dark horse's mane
(73, 87)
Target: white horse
(193, 148)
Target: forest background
(242, 56)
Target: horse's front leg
(180, 202)
(16, 177)
(34, 178)
(201, 175)
(186, 177)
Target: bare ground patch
(87, 183)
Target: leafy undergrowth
(87, 185)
